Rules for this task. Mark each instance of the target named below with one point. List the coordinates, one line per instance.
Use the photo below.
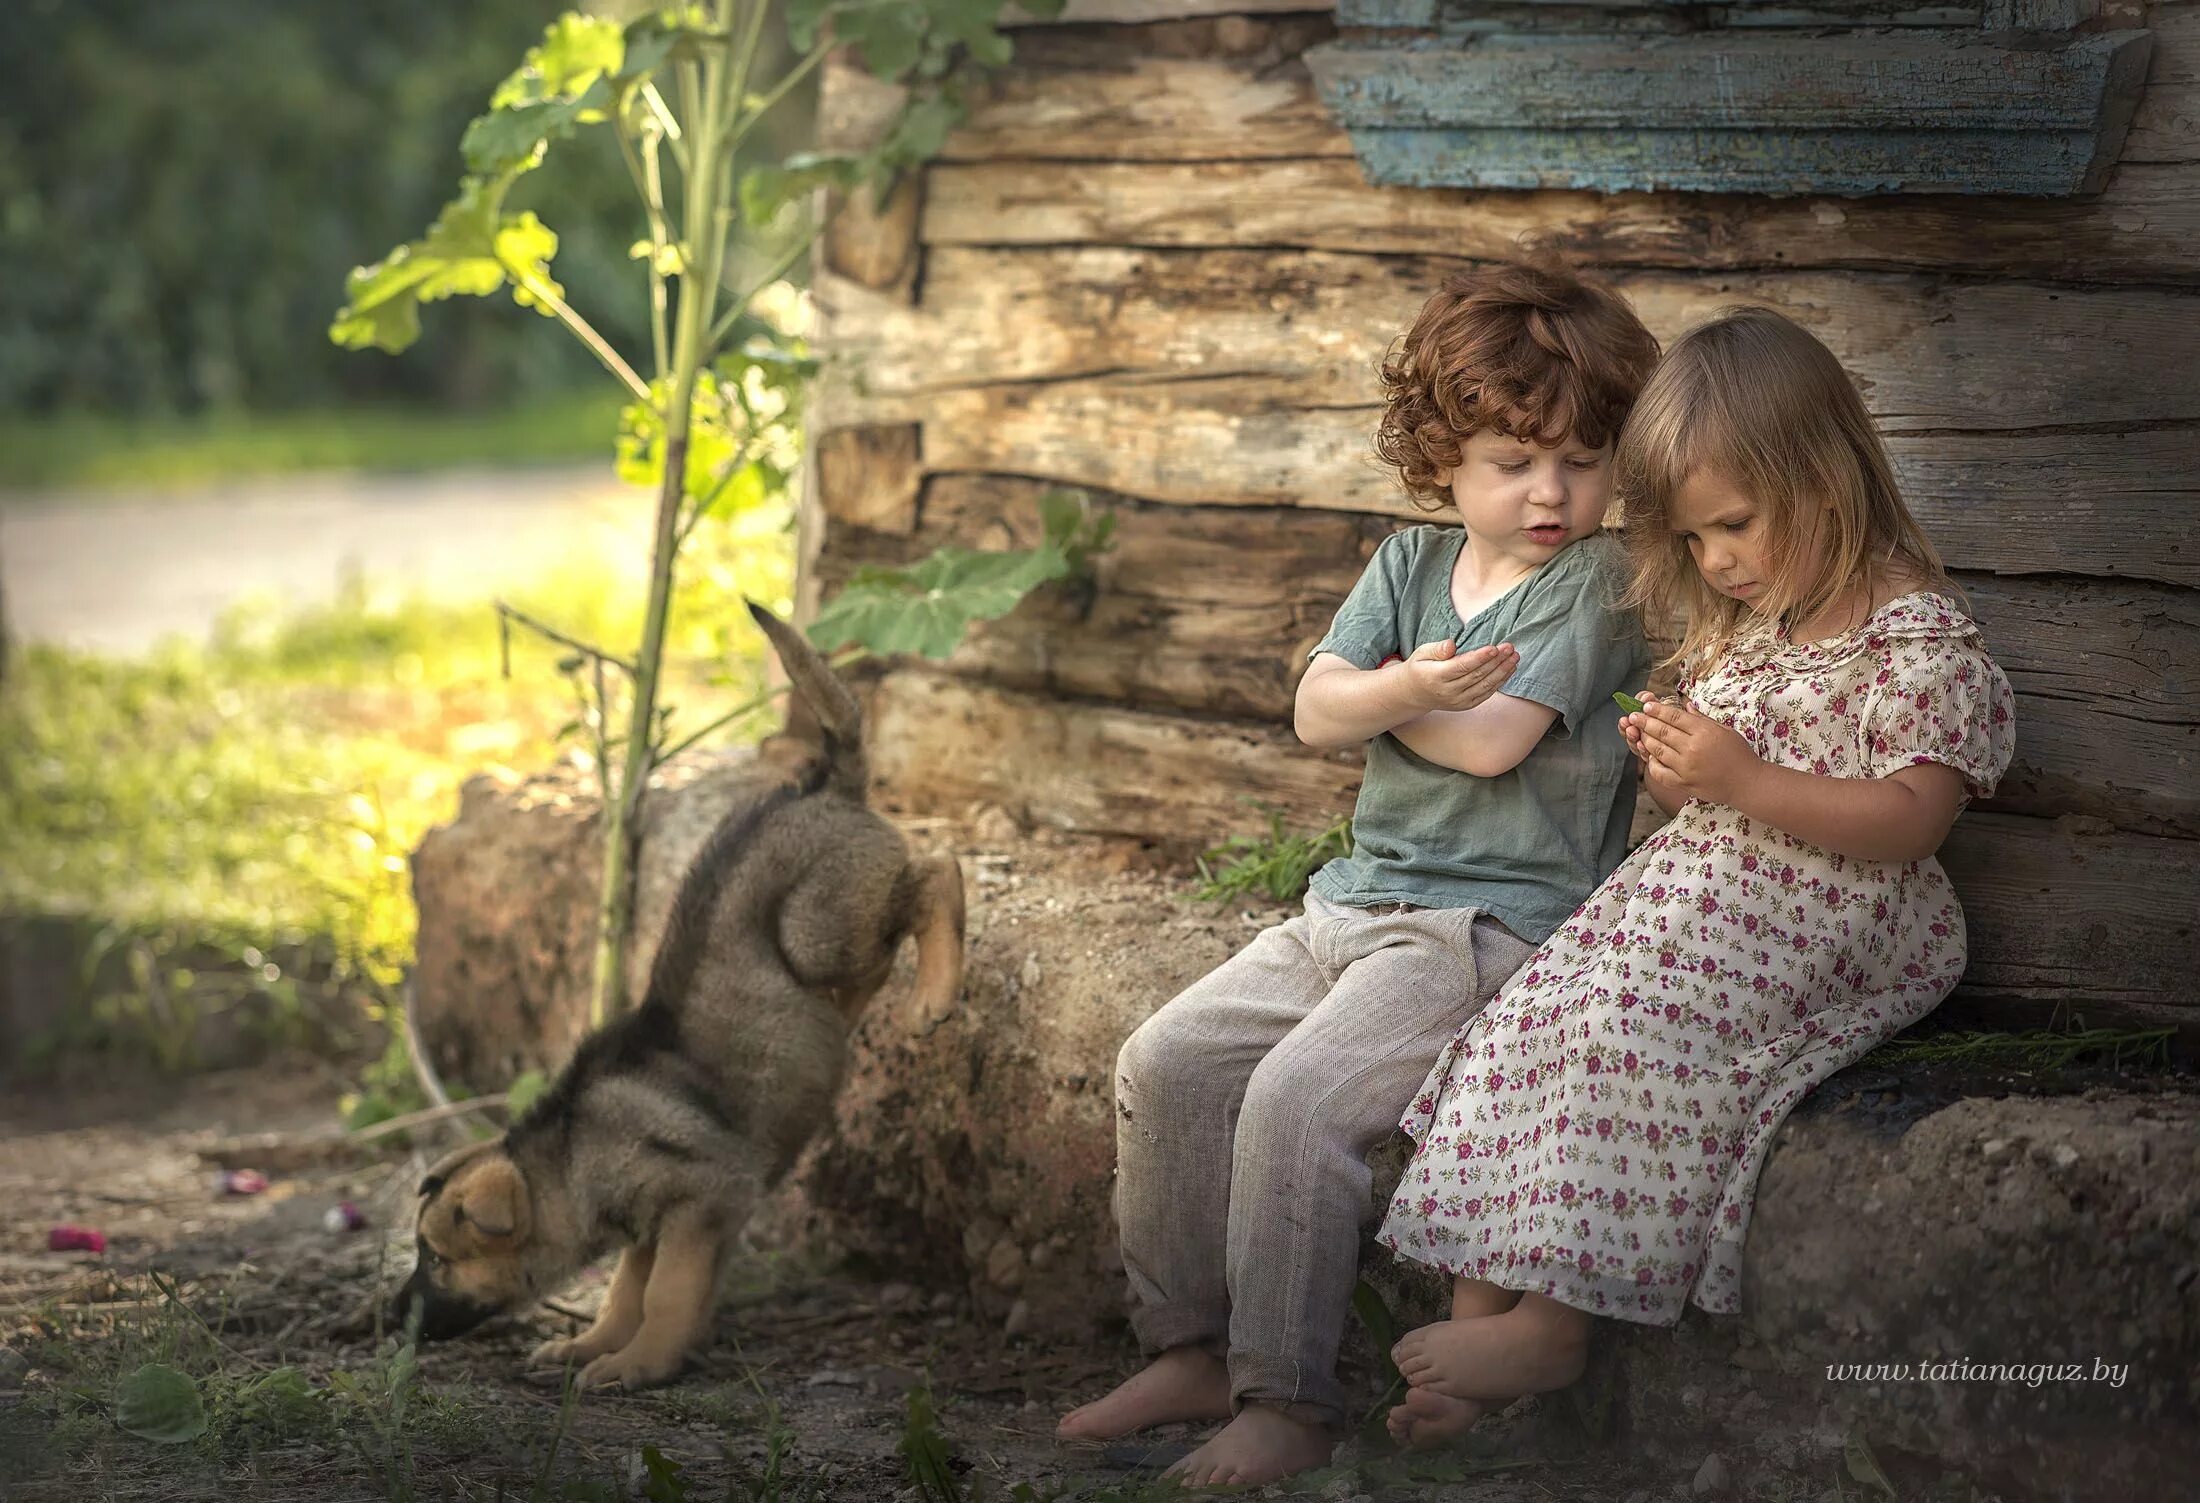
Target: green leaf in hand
(161, 1404)
(1628, 704)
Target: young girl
(1589, 1143)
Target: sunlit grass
(82, 449)
(262, 792)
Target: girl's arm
(1901, 817)
(1338, 705)
(1490, 739)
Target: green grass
(2039, 1048)
(1275, 866)
(85, 449)
(254, 801)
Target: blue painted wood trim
(2053, 163)
(1863, 81)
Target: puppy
(673, 1120)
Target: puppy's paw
(553, 1354)
(631, 1369)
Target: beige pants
(1245, 1111)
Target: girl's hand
(1630, 727)
(1688, 754)
(1437, 679)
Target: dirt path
(811, 1367)
(115, 571)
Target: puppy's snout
(441, 1315)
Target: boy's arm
(1340, 705)
(1489, 739)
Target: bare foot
(1536, 1347)
(1260, 1445)
(1428, 1419)
(1183, 1383)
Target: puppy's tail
(839, 719)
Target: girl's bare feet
(1535, 1347)
(1183, 1383)
(1427, 1419)
(1260, 1445)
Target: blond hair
(1753, 398)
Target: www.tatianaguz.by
(2031, 1374)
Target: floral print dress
(1595, 1133)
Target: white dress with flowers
(1595, 1133)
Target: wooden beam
(1162, 109)
(2113, 504)
(869, 477)
(1133, 12)
(1210, 611)
(2166, 127)
(2067, 909)
(2143, 228)
(940, 743)
(2055, 908)
(1146, 94)
(2108, 724)
(1929, 354)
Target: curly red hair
(1534, 351)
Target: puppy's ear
(440, 1172)
(493, 1201)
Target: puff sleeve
(1941, 699)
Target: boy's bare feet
(1183, 1383)
(1428, 1419)
(1260, 1445)
(1535, 1347)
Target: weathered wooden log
(2119, 504)
(1929, 354)
(1210, 611)
(869, 477)
(2142, 229)
(1131, 94)
(2167, 125)
(2070, 908)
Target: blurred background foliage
(185, 183)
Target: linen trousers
(1245, 1112)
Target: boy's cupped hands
(1440, 677)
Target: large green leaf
(513, 137)
(159, 1403)
(470, 251)
(584, 69)
(926, 608)
(575, 52)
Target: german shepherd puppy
(673, 1120)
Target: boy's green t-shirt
(1526, 846)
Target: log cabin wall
(1149, 266)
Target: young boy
(1477, 663)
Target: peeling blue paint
(1790, 112)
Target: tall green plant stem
(707, 188)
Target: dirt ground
(804, 1395)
